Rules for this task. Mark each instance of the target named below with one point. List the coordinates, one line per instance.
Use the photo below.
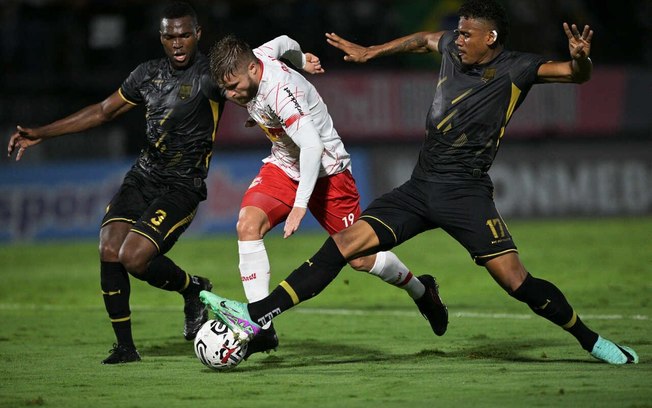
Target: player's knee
(352, 244)
(508, 271)
(357, 264)
(250, 228)
(134, 261)
(362, 264)
(109, 252)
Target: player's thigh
(112, 236)
(127, 205)
(167, 217)
(273, 192)
(468, 213)
(335, 202)
(399, 215)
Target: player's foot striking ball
(234, 314)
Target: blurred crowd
(78, 38)
(59, 55)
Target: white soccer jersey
(296, 120)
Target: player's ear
(253, 68)
(198, 32)
(493, 36)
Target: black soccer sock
(114, 281)
(546, 300)
(164, 274)
(304, 283)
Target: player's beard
(250, 93)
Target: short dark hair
(178, 9)
(489, 10)
(227, 56)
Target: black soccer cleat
(431, 306)
(196, 313)
(122, 354)
(263, 342)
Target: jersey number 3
(160, 216)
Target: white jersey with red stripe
(305, 144)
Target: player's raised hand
(579, 45)
(21, 140)
(354, 52)
(313, 64)
(293, 220)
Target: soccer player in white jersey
(308, 168)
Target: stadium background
(570, 151)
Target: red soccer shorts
(335, 201)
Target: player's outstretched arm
(88, 117)
(421, 42)
(579, 68)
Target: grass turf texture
(360, 343)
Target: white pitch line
(321, 311)
(466, 314)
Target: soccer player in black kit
(480, 86)
(160, 194)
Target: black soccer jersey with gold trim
(183, 108)
(471, 108)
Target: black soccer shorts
(465, 210)
(159, 212)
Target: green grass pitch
(360, 343)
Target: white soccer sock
(254, 270)
(391, 270)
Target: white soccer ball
(217, 348)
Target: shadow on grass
(508, 351)
(313, 353)
(170, 348)
(308, 353)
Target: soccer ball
(217, 348)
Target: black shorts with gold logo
(159, 212)
(464, 210)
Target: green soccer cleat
(612, 353)
(234, 314)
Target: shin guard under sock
(116, 289)
(547, 301)
(304, 283)
(164, 274)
